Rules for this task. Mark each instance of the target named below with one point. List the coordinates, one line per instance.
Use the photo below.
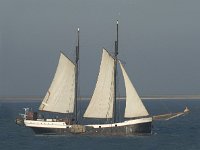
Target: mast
(115, 78)
(76, 79)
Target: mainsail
(134, 105)
(101, 104)
(60, 96)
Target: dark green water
(182, 133)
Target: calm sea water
(182, 133)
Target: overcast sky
(158, 39)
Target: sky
(159, 41)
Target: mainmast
(115, 78)
(76, 79)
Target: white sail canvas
(101, 104)
(134, 105)
(60, 96)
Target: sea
(181, 133)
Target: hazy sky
(158, 39)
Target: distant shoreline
(157, 97)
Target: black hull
(50, 131)
(136, 129)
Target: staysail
(60, 96)
(134, 105)
(101, 104)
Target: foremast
(115, 78)
(76, 79)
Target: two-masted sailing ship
(62, 97)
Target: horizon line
(156, 97)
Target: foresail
(60, 96)
(134, 105)
(101, 104)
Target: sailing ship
(62, 97)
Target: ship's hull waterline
(132, 127)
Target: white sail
(101, 104)
(134, 105)
(60, 96)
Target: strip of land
(155, 97)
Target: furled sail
(101, 104)
(60, 96)
(134, 105)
